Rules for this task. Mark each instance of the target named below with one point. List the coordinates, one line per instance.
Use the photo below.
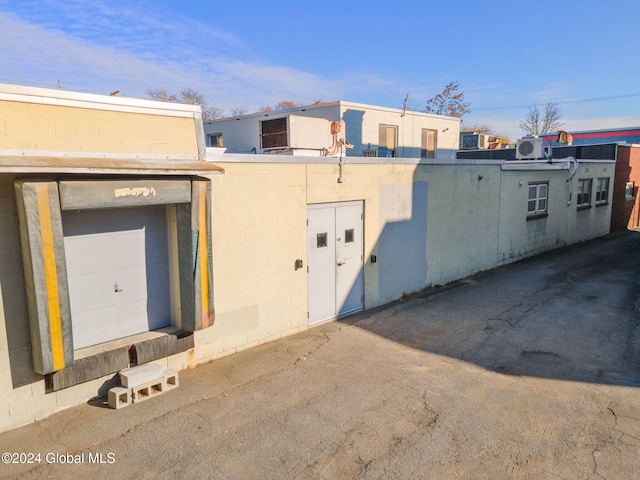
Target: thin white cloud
(98, 47)
(601, 123)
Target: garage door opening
(118, 272)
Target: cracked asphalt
(529, 371)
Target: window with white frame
(537, 199)
(583, 196)
(388, 140)
(602, 191)
(215, 140)
(429, 143)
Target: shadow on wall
(14, 302)
(353, 126)
(401, 250)
(563, 315)
(400, 255)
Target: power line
(562, 102)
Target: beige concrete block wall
(463, 220)
(258, 222)
(16, 371)
(29, 126)
(476, 220)
(361, 182)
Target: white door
(335, 257)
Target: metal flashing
(105, 164)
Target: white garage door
(118, 272)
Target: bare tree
(211, 113)
(539, 122)
(162, 95)
(478, 128)
(192, 97)
(284, 104)
(448, 102)
(189, 96)
(238, 111)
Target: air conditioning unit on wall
(531, 148)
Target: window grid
(537, 198)
(602, 190)
(583, 197)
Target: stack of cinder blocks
(141, 383)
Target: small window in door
(321, 240)
(348, 236)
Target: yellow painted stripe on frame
(50, 275)
(203, 254)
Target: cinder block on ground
(171, 379)
(148, 390)
(119, 397)
(142, 374)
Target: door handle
(341, 263)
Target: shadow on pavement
(570, 314)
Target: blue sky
(506, 55)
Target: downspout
(572, 174)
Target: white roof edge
(398, 110)
(214, 155)
(48, 96)
(283, 112)
(217, 157)
(339, 103)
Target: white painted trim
(558, 164)
(44, 96)
(348, 203)
(200, 135)
(215, 156)
(342, 105)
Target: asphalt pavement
(531, 370)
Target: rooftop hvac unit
(475, 141)
(531, 148)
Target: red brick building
(625, 212)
